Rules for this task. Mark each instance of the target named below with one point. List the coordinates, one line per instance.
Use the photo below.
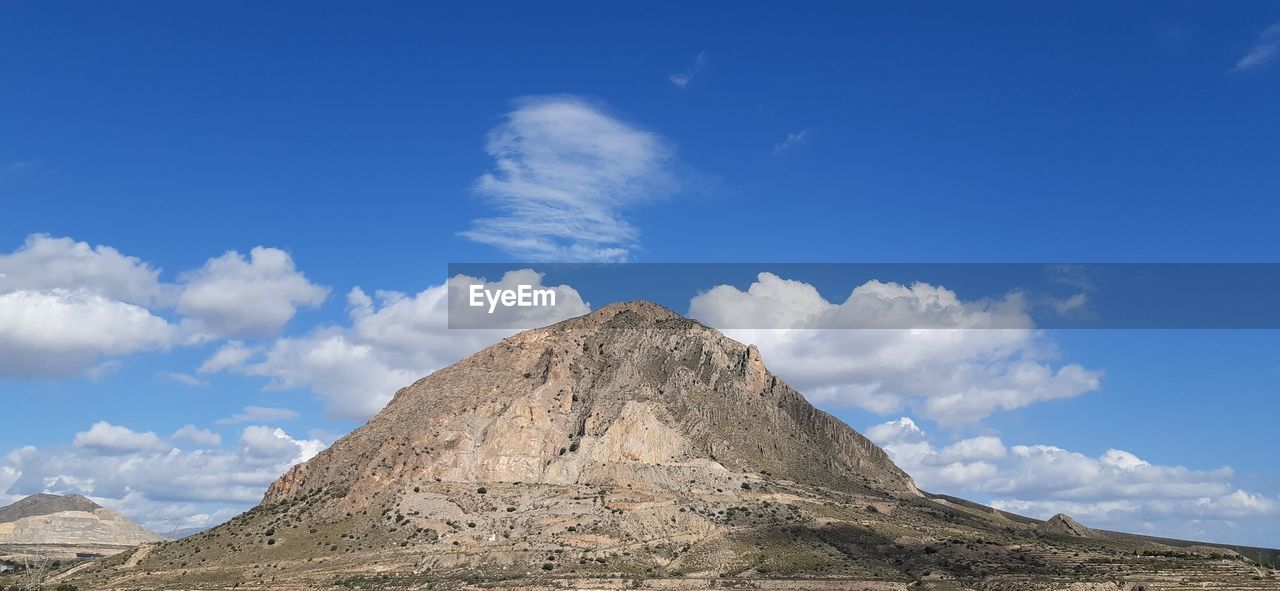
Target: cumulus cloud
(969, 359)
(44, 263)
(66, 305)
(195, 435)
(160, 486)
(1116, 490)
(231, 296)
(273, 446)
(565, 170)
(391, 340)
(684, 78)
(1262, 51)
(106, 438)
(59, 333)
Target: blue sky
(352, 143)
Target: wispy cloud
(1262, 51)
(187, 379)
(793, 140)
(18, 167)
(259, 414)
(565, 170)
(684, 78)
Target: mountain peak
(45, 504)
(624, 314)
(1063, 524)
(579, 404)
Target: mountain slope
(629, 444)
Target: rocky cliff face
(70, 520)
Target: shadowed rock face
(71, 520)
(632, 394)
(624, 445)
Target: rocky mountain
(627, 448)
(68, 520)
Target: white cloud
(160, 486)
(684, 78)
(792, 140)
(106, 438)
(186, 379)
(1262, 51)
(274, 446)
(47, 263)
(259, 414)
(971, 360)
(59, 333)
(197, 436)
(565, 170)
(64, 305)
(392, 340)
(231, 296)
(230, 355)
(1117, 490)
(100, 371)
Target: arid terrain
(634, 448)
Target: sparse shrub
(271, 541)
(547, 566)
(482, 490)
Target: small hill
(1063, 524)
(44, 504)
(46, 519)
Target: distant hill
(44, 504)
(68, 520)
